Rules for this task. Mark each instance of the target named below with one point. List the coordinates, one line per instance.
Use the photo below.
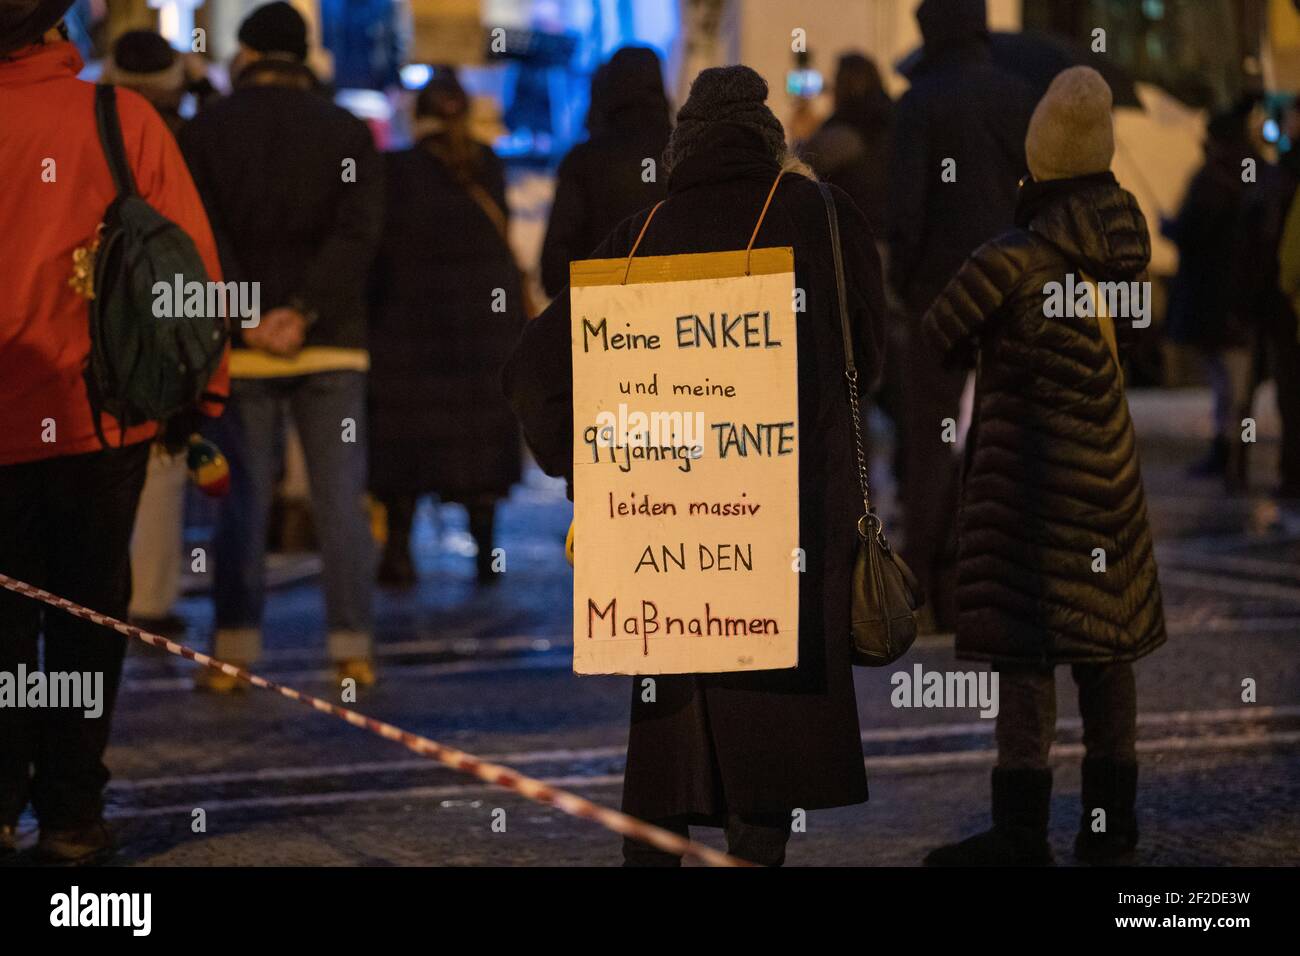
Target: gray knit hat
(724, 95)
(1071, 132)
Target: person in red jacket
(66, 502)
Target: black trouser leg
(758, 838)
(1108, 706)
(1286, 376)
(400, 511)
(636, 853)
(1026, 721)
(88, 511)
(22, 556)
(482, 526)
(396, 567)
(931, 393)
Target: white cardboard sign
(686, 465)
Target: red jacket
(47, 132)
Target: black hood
(948, 24)
(1099, 227)
(628, 92)
(725, 153)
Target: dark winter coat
(1052, 462)
(269, 163)
(1204, 303)
(851, 150)
(438, 420)
(602, 181)
(962, 107)
(770, 740)
(1257, 237)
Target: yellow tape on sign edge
(682, 268)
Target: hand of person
(280, 332)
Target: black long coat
(770, 740)
(1206, 309)
(963, 108)
(1053, 468)
(437, 343)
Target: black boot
(90, 845)
(1109, 785)
(1021, 803)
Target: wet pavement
(488, 671)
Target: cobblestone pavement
(488, 671)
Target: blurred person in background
(446, 309)
(1273, 259)
(605, 179)
(294, 188)
(67, 502)
(851, 149)
(958, 154)
(144, 61)
(1206, 310)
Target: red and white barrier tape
(528, 787)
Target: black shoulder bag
(886, 595)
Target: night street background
(489, 672)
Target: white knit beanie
(1071, 132)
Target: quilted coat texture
(1052, 472)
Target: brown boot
(84, 846)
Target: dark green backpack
(143, 368)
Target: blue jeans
(249, 434)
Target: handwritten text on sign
(686, 465)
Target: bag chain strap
(855, 411)
(850, 367)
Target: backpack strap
(110, 138)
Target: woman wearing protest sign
(745, 750)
